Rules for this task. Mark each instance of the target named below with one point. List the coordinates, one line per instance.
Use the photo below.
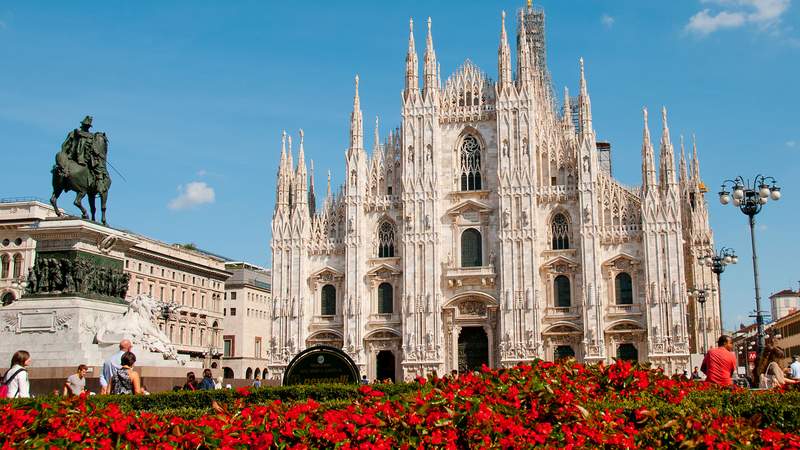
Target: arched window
(470, 153)
(17, 265)
(328, 305)
(386, 240)
(385, 299)
(562, 293)
(560, 231)
(248, 374)
(8, 298)
(471, 251)
(227, 372)
(624, 289)
(6, 266)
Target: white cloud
(791, 144)
(193, 194)
(607, 21)
(764, 14)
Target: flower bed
(544, 405)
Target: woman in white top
(19, 387)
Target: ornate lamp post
(701, 295)
(211, 352)
(750, 199)
(717, 262)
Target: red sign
(751, 356)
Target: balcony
(470, 276)
(562, 312)
(624, 310)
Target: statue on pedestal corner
(81, 167)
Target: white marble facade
(486, 229)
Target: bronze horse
(71, 176)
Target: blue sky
(194, 95)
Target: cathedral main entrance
(384, 365)
(473, 349)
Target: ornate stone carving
(472, 308)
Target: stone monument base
(60, 333)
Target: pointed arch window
(328, 300)
(385, 298)
(470, 153)
(560, 231)
(471, 251)
(623, 286)
(561, 289)
(386, 240)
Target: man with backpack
(15, 382)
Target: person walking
(191, 382)
(794, 368)
(125, 380)
(207, 383)
(720, 362)
(112, 365)
(15, 381)
(76, 383)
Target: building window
(233, 295)
(161, 295)
(470, 164)
(138, 287)
(328, 300)
(386, 240)
(227, 348)
(624, 289)
(560, 231)
(257, 350)
(6, 266)
(191, 336)
(471, 248)
(233, 312)
(562, 292)
(385, 299)
(17, 265)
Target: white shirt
(19, 387)
(795, 367)
(110, 367)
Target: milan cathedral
(488, 229)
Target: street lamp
(750, 199)
(211, 352)
(701, 295)
(717, 262)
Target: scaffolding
(604, 156)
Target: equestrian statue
(81, 167)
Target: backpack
(4, 383)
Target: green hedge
(200, 401)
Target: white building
(784, 303)
(247, 321)
(488, 229)
(17, 248)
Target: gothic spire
(356, 123)
(695, 161)
(666, 154)
(682, 164)
(289, 157)
(648, 158)
(430, 69)
(524, 65)
(585, 104)
(377, 145)
(503, 56)
(283, 196)
(312, 196)
(412, 64)
(301, 156)
(328, 195)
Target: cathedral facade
(487, 229)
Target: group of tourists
(719, 366)
(116, 377)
